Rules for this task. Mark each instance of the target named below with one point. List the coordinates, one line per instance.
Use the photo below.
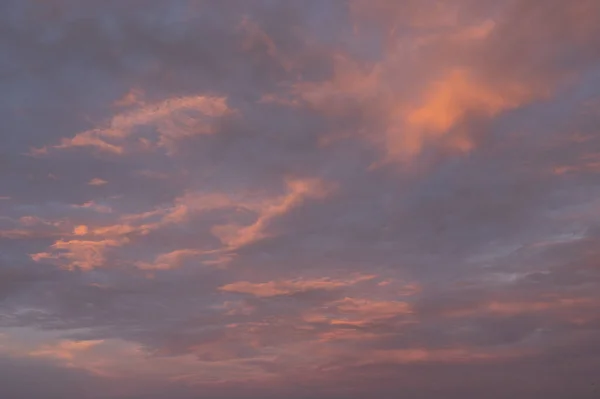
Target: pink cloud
(287, 287)
(168, 117)
(97, 182)
(83, 254)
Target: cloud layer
(310, 199)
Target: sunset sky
(299, 199)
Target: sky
(314, 199)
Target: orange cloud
(65, 350)
(372, 309)
(82, 254)
(287, 287)
(351, 82)
(446, 103)
(351, 314)
(170, 260)
(172, 118)
(15, 234)
(589, 163)
(521, 307)
(132, 97)
(234, 236)
(89, 254)
(231, 235)
(97, 182)
(425, 87)
(256, 39)
(403, 125)
(80, 230)
(421, 355)
(94, 206)
(33, 226)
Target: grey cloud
(511, 222)
(32, 378)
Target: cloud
(170, 260)
(80, 230)
(52, 381)
(66, 349)
(174, 119)
(97, 182)
(274, 288)
(82, 254)
(304, 200)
